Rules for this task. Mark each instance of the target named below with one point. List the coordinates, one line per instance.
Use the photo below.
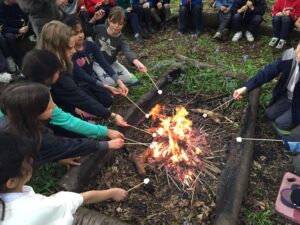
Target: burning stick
(240, 139)
(158, 90)
(146, 114)
(146, 181)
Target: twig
(139, 129)
(167, 177)
(174, 182)
(220, 106)
(135, 105)
(145, 144)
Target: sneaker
(280, 44)
(273, 41)
(237, 36)
(5, 77)
(217, 35)
(12, 66)
(179, 34)
(249, 36)
(139, 39)
(196, 34)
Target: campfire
(176, 147)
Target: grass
(262, 218)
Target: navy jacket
(12, 18)
(259, 7)
(284, 68)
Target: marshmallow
(159, 92)
(204, 115)
(239, 139)
(154, 135)
(147, 116)
(146, 181)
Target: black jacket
(259, 7)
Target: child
(284, 108)
(160, 12)
(88, 53)
(26, 105)
(142, 8)
(111, 42)
(248, 13)
(58, 38)
(224, 14)
(19, 204)
(133, 19)
(284, 15)
(94, 6)
(190, 11)
(14, 24)
(43, 67)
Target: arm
(67, 91)
(76, 125)
(130, 56)
(117, 194)
(80, 74)
(277, 8)
(267, 74)
(260, 8)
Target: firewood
(216, 117)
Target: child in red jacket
(93, 6)
(285, 13)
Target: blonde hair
(55, 38)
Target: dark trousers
(224, 20)
(190, 16)
(4, 53)
(282, 25)
(281, 113)
(250, 21)
(101, 94)
(133, 20)
(8, 45)
(144, 15)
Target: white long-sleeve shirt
(29, 208)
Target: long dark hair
(14, 159)
(22, 103)
(40, 66)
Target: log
(84, 216)
(201, 65)
(234, 179)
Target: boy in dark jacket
(14, 24)
(284, 108)
(224, 14)
(190, 16)
(248, 13)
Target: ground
(270, 160)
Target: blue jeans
(249, 21)
(190, 17)
(282, 25)
(133, 19)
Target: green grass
(262, 218)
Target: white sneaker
(237, 36)
(249, 36)
(273, 41)
(12, 66)
(5, 77)
(280, 44)
(217, 35)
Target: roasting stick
(145, 144)
(146, 181)
(240, 139)
(146, 114)
(158, 90)
(134, 127)
(220, 106)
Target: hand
(114, 134)
(286, 12)
(119, 120)
(116, 143)
(23, 30)
(141, 67)
(129, 9)
(159, 5)
(237, 94)
(70, 161)
(279, 14)
(118, 194)
(124, 89)
(113, 90)
(223, 8)
(146, 5)
(61, 3)
(243, 9)
(226, 10)
(83, 8)
(249, 4)
(98, 15)
(79, 112)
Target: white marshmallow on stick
(240, 139)
(146, 181)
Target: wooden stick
(152, 80)
(260, 139)
(136, 106)
(135, 187)
(145, 144)
(230, 100)
(139, 129)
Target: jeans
(224, 20)
(190, 16)
(282, 25)
(133, 19)
(250, 21)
